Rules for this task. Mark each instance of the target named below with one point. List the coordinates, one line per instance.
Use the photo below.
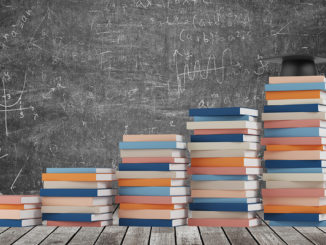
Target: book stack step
(78, 196)
(295, 156)
(225, 167)
(152, 181)
(20, 210)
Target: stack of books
(20, 210)
(78, 196)
(225, 167)
(294, 131)
(152, 181)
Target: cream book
(152, 153)
(20, 214)
(295, 155)
(297, 102)
(295, 184)
(151, 174)
(294, 177)
(77, 209)
(152, 137)
(296, 79)
(77, 184)
(76, 201)
(225, 185)
(153, 214)
(223, 125)
(293, 116)
(295, 201)
(222, 215)
(223, 153)
(195, 146)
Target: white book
(31, 222)
(223, 125)
(294, 177)
(152, 153)
(222, 215)
(225, 185)
(77, 209)
(151, 174)
(223, 153)
(77, 201)
(297, 102)
(98, 217)
(295, 184)
(293, 116)
(77, 184)
(193, 146)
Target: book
(223, 193)
(295, 147)
(298, 223)
(223, 222)
(77, 209)
(223, 153)
(206, 177)
(298, 192)
(151, 174)
(294, 177)
(230, 138)
(223, 125)
(296, 79)
(295, 184)
(294, 108)
(225, 200)
(76, 201)
(296, 102)
(235, 207)
(152, 222)
(154, 160)
(293, 141)
(225, 118)
(225, 185)
(20, 214)
(295, 123)
(135, 206)
(77, 177)
(153, 214)
(293, 116)
(294, 132)
(222, 215)
(77, 184)
(19, 199)
(152, 137)
(153, 199)
(225, 170)
(81, 217)
(295, 155)
(80, 170)
(77, 223)
(197, 146)
(19, 222)
(295, 217)
(152, 145)
(293, 201)
(152, 153)
(77, 192)
(224, 111)
(290, 95)
(295, 164)
(227, 131)
(222, 161)
(295, 86)
(20, 206)
(151, 182)
(296, 170)
(152, 167)
(154, 191)
(294, 209)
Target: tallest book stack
(294, 131)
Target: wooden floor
(146, 235)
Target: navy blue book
(295, 217)
(224, 138)
(152, 222)
(81, 217)
(294, 164)
(19, 222)
(151, 167)
(225, 207)
(294, 108)
(226, 111)
(76, 192)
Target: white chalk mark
(13, 183)
(3, 156)
(280, 31)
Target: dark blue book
(81, 217)
(76, 192)
(225, 207)
(226, 111)
(152, 222)
(19, 222)
(224, 138)
(151, 167)
(294, 164)
(293, 108)
(295, 217)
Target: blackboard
(78, 74)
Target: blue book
(220, 138)
(295, 217)
(298, 223)
(294, 132)
(226, 207)
(152, 222)
(79, 170)
(76, 192)
(152, 145)
(153, 191)
(295, 86)
(293, 108)
(225, 200)
(151, 167)
(223, 118)
(296, 170)
(204, 177)
(19, 222)
(226, 111)
(81, 217)
(294, 164)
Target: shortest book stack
(20, 210)
(152, 181)
(77, 196)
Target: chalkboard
(78, 74)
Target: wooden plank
(313, 234)
(188, 235)
(112, 235)
(264, 235)
(322, 228)
(61, 235)
(2, 229)
(86, 235)
(211, 235)
(162, 236)
(13, 234)
(137, 235)
(36, 236)
(239, 235)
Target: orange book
(77, 177)
(151, 182)
(295, 209)
(134, 206)
(225, 162)
(287, 95)
(20, 206)
(294, 147)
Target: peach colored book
(235, 160)
(136, 206)
(224, 222)
(226, 131)
(20, 214)
(295, 209)
(152, 199)
(154, 160)
(299, 192)
(292, 123)
(293, 141)
(76, 201)
(223, 193)
(225, 170)
(72, 223)
(293, 201)
(153, 214)
(296, 79)
(288, 95)
(295, 147)
(19, 199)
(295, 155)
(152, 137)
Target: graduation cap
(297, 65)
